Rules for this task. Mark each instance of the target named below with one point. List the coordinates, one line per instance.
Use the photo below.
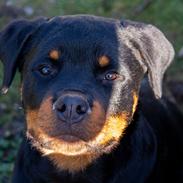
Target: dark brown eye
(111, 76)
(45, 70)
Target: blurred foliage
(165, 14)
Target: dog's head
(80, 80)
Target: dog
(91, 114)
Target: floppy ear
(12, 40)
(156, 52)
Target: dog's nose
(71, 108)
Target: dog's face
(80, 81)
(79, 92)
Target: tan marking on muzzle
(31, 118)
(113, 129)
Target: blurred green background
(165, 14)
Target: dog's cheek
(40, 120)
(135, 102)
(33, 91)
(115, 125)
(121, 99)
(113, 129)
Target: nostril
(62, 108)
(81, 109)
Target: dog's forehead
(84, 37)
(79, 31)
(85, 23)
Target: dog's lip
(70, 138)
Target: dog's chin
(68, 145)
(64, 144)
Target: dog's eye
(111, 76)
(45, 70)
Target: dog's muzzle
(71, 107)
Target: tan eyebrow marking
(103, 61)
(54, 54)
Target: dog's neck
(141, 149)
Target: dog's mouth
(68, 145)
(65, 144)
(69, 138)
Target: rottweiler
(91, 90)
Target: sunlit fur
(135, 102)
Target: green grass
(166, 15)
